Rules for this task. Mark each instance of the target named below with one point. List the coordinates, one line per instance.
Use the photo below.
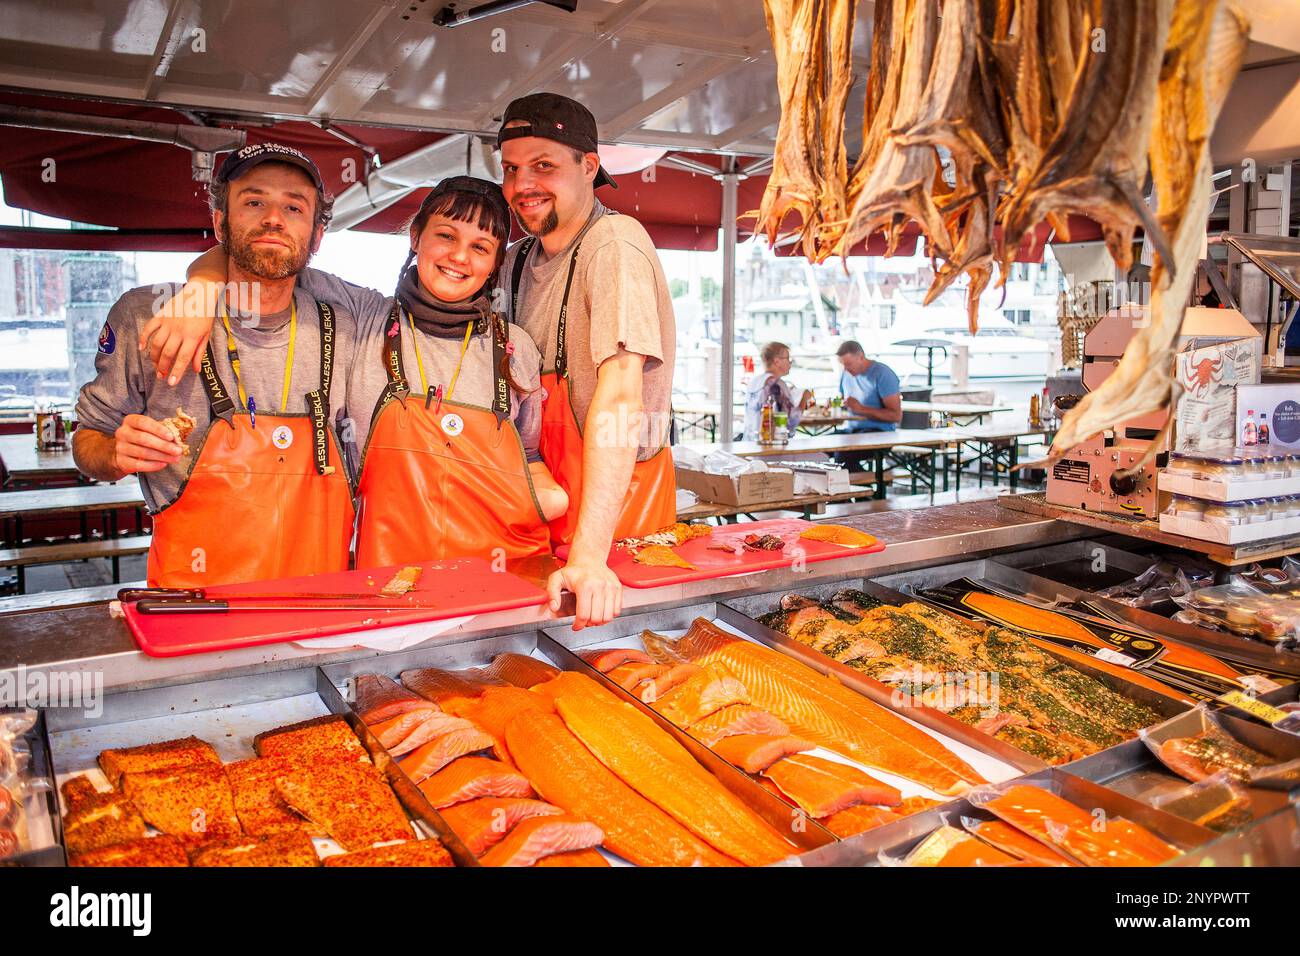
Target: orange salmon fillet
(656, 766)
(572, 683)
(633, 673)
(540, 837)
(428, 759)
(754, 753)
(381, 698)
(659, 685)
(482, 824)
(496, 708)
(607, 659)
(403, 734)
(736, 719)
(1020, 845)
(566, 774)
(591, 857)
(702, 693)
(520, 669)
(827, 713)
(823, 787)
(858, 819)
(440, 686)
(468, 778)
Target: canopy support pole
(730, 177)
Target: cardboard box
(1212, 375)
(775, 484)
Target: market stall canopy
(388, 102)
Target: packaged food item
(1185, 506)
(1227, 512)
(1160, 582)
(1218, 803)
(1211, 750)
(1245, 609)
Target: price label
(1256, 708)
(1115, 657)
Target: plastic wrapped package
(686, 457)
(1209, 750)
(16, 782)
(724, 463)
(1242, 608)
(1218, 803)
(949, 846)
(1157, 584)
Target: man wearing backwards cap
(588, 287)
(258, 488)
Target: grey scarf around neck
(438, 318)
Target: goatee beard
(548, 225)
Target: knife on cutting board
(199, 594)
(284, 602)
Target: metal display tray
(898, 839)
(228, 713)
(1237, 650)
(808, 836)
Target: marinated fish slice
(321, 738)
(286, 848)
(821, 710)
(839, 534)
(658, 686)
(607, 659)
(350, 801)
(736, 719)
(187, 752)
(1202, 756)
(858, 819)
(409, 853)
(662, 649)
(101, 820)
(258, 803)
(540, 837)
(566, 774)
(193, 804)
(482, 824)
(630, 676)
(520, 669)
(380, 698)
(468, 778)
(428, 759)
(148, 851)
(661, 556)
(656, 766)
(396, 733)
(584, 858)
(1020, 845)
(701, 694)
(754, 753)
(76, 790)
(823, 787)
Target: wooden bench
(70, 597)
(113, 548)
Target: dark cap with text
(554, 117)
(241, 161)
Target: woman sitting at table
(771, 383)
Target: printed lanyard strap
(233, 352)
(318, 402)
(517, 273)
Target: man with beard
(587, 285)
(244, 483)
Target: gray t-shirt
(475, 385)
(125, 382)
(619, 299)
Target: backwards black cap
(469, 184)
(254, 154)
(555, 117)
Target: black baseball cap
(469, 184)
(555, 117)
(254, 154)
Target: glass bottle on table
(767, 420)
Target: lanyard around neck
(419, 362)
(288, 365)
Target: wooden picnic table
(818, 423)
(23, 465)
(85, 500)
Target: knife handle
(142, 594)
(182, 606)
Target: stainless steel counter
(86, 640)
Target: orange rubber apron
(651, 500)
(443, 479)
(267, 495)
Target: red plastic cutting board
(453, 588)
(719, 564)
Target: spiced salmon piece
(754, 753)
(543, 836)
(702, 693)
(822, 710)
(520, 670)
(574, 858)
(428, 759)
(565, 773)
(606, 659)
(628, 676)
(380, 698)
(468, 778)
(482, 824)
(736, 719)
(658, 686)
(824, 787)
(858, 819)
(651, 762)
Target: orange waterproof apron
(651, 500)
(267, 497)
(443, 479)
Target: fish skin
(574, 858)
(540, 837)
(428, 759)
(606, 659)
(439, 685)
(380, 698)
(754, 753)
(565, 773)
(821, 710)
(736, 719)
(468, 778)
(520, 670)
(701, 694)
(483, 823)
(654, 764)
(823, 787)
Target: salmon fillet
(754, 753)
(658, 686)
(440, 686)
(380, 698)
(146, 851)
(494, 710)
(566, 774)
(482, 824)
(656, 766)
(572, 683)
(592, 857)
(736, 719)
(607, 659)
(258, 803)
(628, 676)
(540, 837)
(520, 670)
(186, 752)
(1020, 845)
(827, 713)
(420, 728)
(101, 820)
(193, 804)
(286, 848)
(429, 758)
(350, 801)
(858, 819)
(823, 787)
(468, 778)
(410, 853)
(702, 693)
(319, 739)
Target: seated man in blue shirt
(871, 393)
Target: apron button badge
(452, 425)
(282, 437)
